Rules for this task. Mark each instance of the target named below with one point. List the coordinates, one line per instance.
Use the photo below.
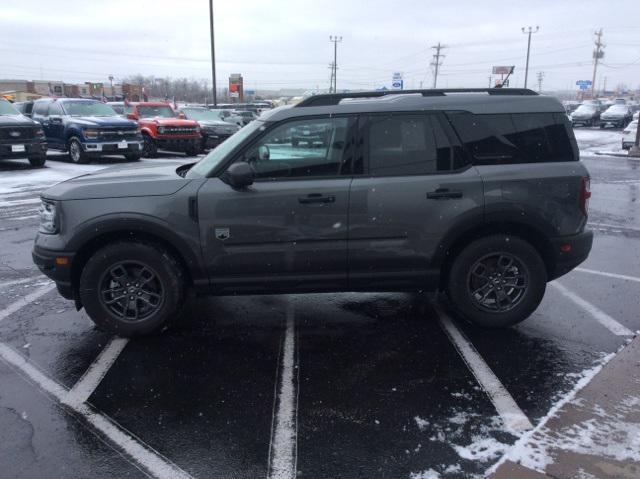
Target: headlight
(161, 129)
(91, 134)
(48, 217)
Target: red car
(162, 128)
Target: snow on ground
(593, 141)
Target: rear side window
(514, 138)
(408, 144)
(40, 108)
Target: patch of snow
(481, 449)
(428, 474)
(421, 423)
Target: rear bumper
(569, 252)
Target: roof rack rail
(329, 99)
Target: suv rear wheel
(131, 288)
(497, 281)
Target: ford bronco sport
(479, 193)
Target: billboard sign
(502, 70)
(396, 81)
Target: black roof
(479, 101)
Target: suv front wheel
(76, 152)
(131, 288)
(497, 281)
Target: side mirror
(239, 175)
(263, 153)
(182, 116)
(55, 119)
(132, 116)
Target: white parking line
(283, 448)
(603, 318)
(143, 454)
(22, 302)
(514, 419)
(6, 284)
(96, 372)
(609, 275)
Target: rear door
(416, 187)
(289, 229)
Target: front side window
(303, 148)
(7, 108)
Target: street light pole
(213, 55)
(529, 32)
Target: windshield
(209, 162)
(585, 109)
(617, 109)
(88, 108)
(201, 114)
(163, 111)
(7, 108)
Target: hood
(162, 121)
(205, 123)
(102, 121)
(614, 114)
(16, 120)
(120, 182)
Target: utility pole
(213, 56)
(334, 74)
(489, 81)
(540, 76)
(436, 62)
(529, 31)
(597, 55)
(113, 97)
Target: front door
(415, 188)
(288, 230)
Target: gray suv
(479, 193)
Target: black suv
(476, 192)
(21, 137)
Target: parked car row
(594, 113)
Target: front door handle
(444, 194)
(316, 198)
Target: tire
(132, 157)
(192, 150)
(37, 161)
(76, 153)
(150, 148)
(466, 281)
(155, 282)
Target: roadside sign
(397, 83)
(502, 70)
(585, 83)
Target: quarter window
(304, 148)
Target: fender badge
(222, 233)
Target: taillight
(585, 194)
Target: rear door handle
(444, 194)
(316, 198)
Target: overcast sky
(285, 43)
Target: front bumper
(569, 252)
(124, 147)
(46, 261)
(211, 140)
(31, 149)
(178, 144)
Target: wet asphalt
(381, 391)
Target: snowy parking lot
(313, 386)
